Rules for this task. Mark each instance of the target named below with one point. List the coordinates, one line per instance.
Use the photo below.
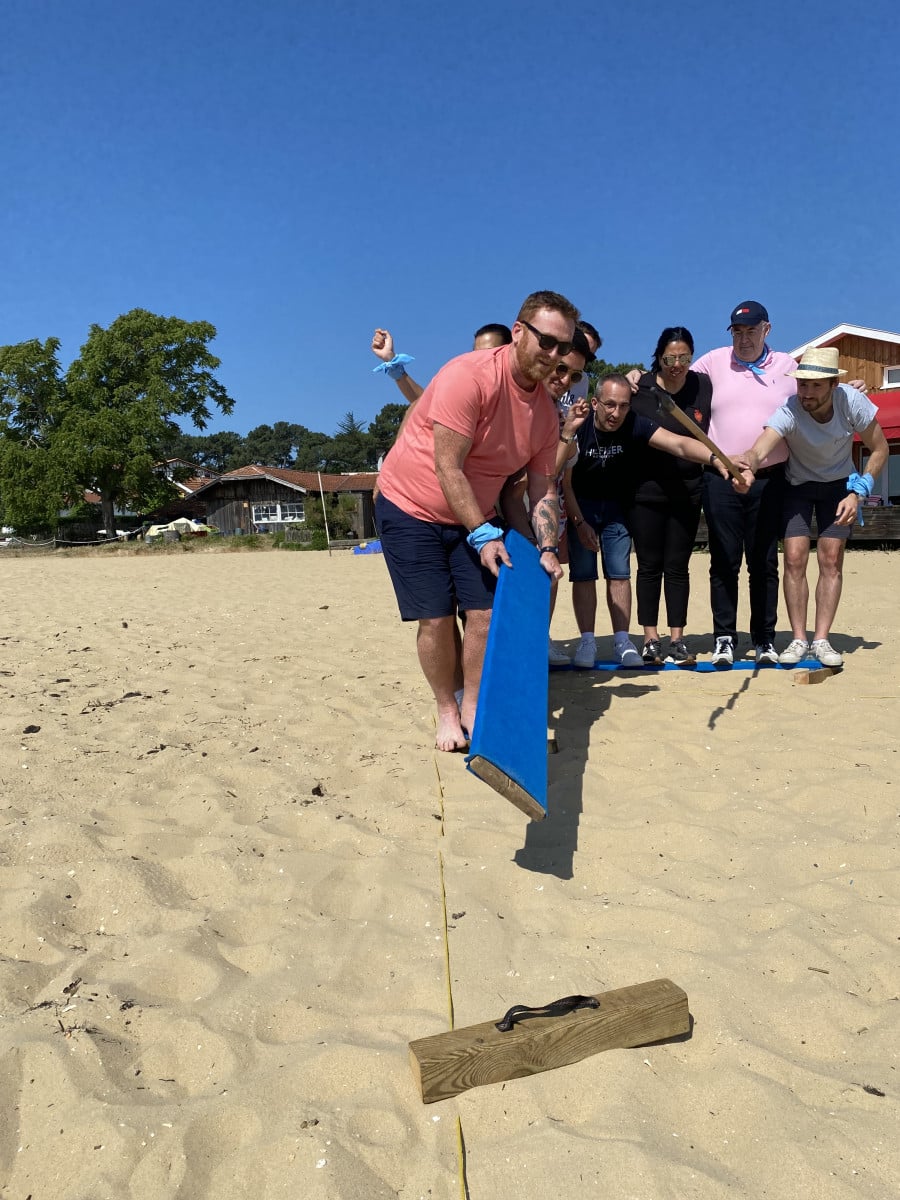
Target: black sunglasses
(562, 370)
(547, 341)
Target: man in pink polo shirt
(750, 381)
(483, 417)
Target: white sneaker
(558, 657)
(826, 653)
(766, 654)
(585, 655)
(723, 655)
(794, 653)
(628, 656)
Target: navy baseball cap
(748, 312)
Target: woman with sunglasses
(665, 510)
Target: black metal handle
(559, 1008)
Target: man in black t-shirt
(597, 489)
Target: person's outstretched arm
(383, 347)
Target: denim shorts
(615, 543)
(802, 499)
(433, 568)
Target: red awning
(888, 405)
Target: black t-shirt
(656, 471)
(606, 466)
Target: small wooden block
(449, 1063)
(819, 675)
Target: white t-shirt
(578, 391)
(821, 453)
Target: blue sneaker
(628, 656)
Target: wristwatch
(567, 440)
(548, 549)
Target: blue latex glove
(483, 534)
(863, 485)
(395, 368)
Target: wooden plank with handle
(449, 1063)
(668, 405)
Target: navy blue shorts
(433, 568)
(802, 499)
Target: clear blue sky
(298, 173)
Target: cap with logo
(748, 312)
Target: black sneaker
(680, 655)
(652, 653)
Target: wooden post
(324, 514)
(449, 1063)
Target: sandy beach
(225, 835)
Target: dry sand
(222, 917)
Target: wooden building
(260, 499)
(874, 356)
(869, 354)
(186, 476)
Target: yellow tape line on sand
(460, 1140)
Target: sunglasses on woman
(675, 360)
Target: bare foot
(467, 716)
(449, 735)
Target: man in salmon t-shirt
(483, 417)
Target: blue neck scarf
(751, 366)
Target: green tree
(31, 388)
(384, 428)
(600, 368)
(223, 451)
(312, 450)
(31, 393)
(341, 511)
(351, 449)
(123, 394)
(106, 424)
(217, 451)
(272, 445)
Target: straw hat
(818, 364)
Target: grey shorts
(803, 499)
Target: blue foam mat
(509, 741)
(703, 668)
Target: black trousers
(663, 530)
(744, 527)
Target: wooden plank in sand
(449, 1063)
(817, 674)
(508, 750)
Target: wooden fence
(882, 525)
